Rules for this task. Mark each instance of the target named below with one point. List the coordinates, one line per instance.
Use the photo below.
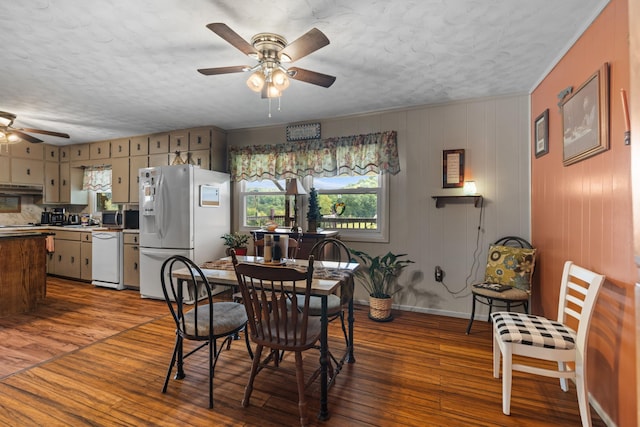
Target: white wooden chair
(540, 338)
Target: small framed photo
(541, 134)
(452, 168)
(585, 119)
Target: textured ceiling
(106, 69)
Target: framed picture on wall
(541, 134)
(452, 168)
(585, 119)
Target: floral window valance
(97, 178)
(347, 155)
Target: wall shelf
(441, 200)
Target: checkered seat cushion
(521, 328)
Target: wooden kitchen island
(23, 275)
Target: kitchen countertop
(12, 229)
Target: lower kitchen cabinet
(66, 257)
(86, 249)
(131, 261)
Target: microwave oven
(112, 218)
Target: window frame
(381, 235)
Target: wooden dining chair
(560, 341)
(295, 242)
(206, 321)
(332, 249)
(273, 324)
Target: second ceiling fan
(269, 76)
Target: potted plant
(379, 276)
(236, 241)
(313, 213)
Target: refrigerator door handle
(159, 207)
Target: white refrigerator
(184, 210)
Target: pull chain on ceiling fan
(269, 77)
(11, 135)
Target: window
(356, 206)
(261, 202)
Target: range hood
(20, 190)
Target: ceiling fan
(269, 77)
(9, 134)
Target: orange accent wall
(583, 212)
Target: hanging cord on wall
(475, 265)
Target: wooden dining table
(329, 278)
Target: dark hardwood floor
(93, 356)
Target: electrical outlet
(438, 274)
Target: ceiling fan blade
(233, 38)
(46, 132)
(313, 40)
(26, 137)
(223, 70)
(312, 77)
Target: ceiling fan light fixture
(285, 58)
(13, 138)
(280, 80)
(255, 82)
(273, 91)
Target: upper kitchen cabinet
(99, 150)
(27, 150)
(139, 145)
(27, 171)
(51, 153)
(120, 148)
(5, 166)
(159, 143)
(199, 158)
(218, 150)
(199, 139)
(120, 180)
(51, 182)
(65, 153)
(79, 152)
(179, 141)
(71, 191)
(135, 164)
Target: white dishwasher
(107, 263)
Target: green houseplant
(237, 241)
(313, 213)
(379, 276)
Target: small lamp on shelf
(469, 188)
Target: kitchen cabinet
(135, 163)
(51, 153)
(139, 146)
(158, 159)
(218, 150)
(120, 148)
(120, 180)
(64, 153)
(159, 143)
(27, 171)
(200, 158)
(27, 150)
(66, 259)
(71, 191)
(51, 182)
(86, 249)
(79, 152)
(99, 150)
(5, 169)
(199, 139)
(179, 141)
(131, 260)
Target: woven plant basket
(380, 309)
